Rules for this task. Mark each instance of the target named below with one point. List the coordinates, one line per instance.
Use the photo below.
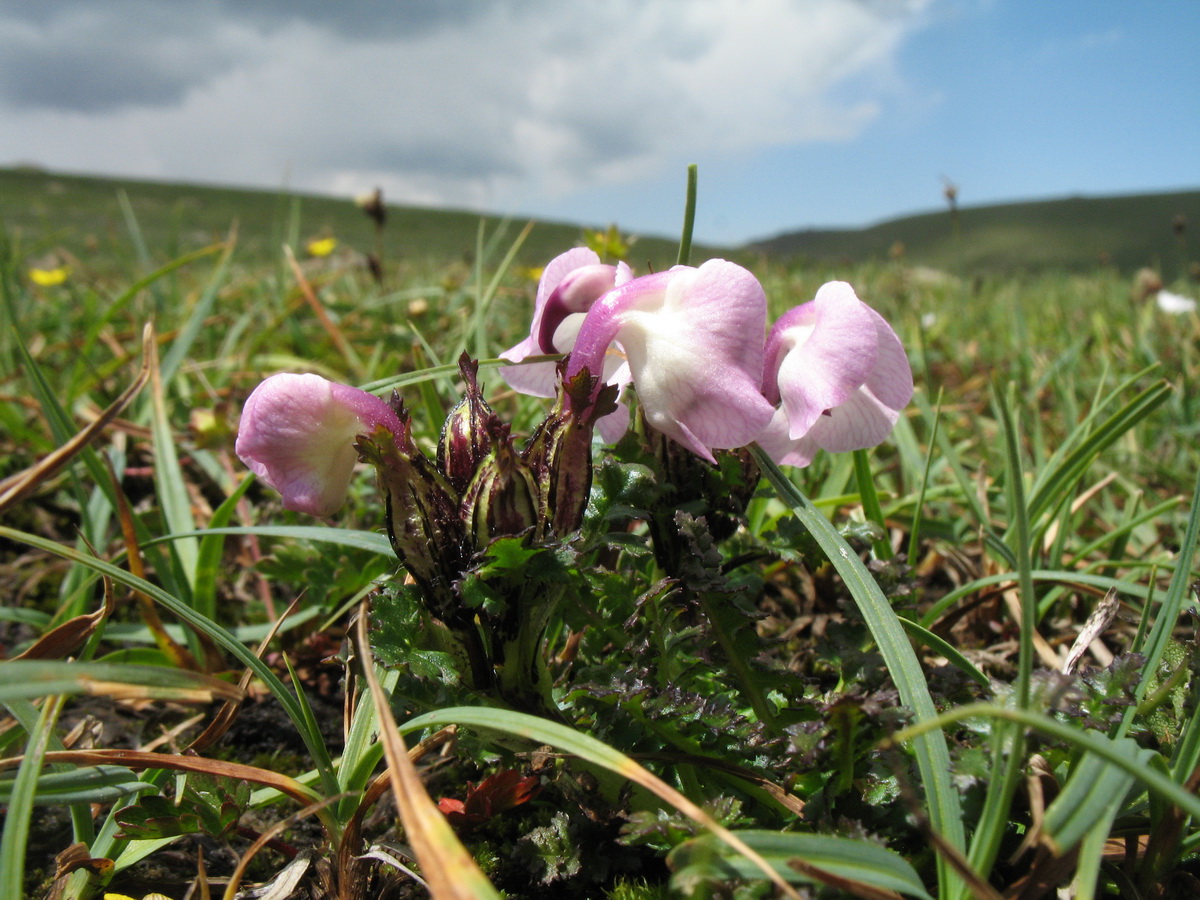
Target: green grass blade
(192, 328)
(914, 537)
(1063, 576)
(933, 757)
(87, 784)
(698, 860)
(15, 840)
(345, 537)
(25, 679)
(171, 486)
(543, 731)
(881, 546)
(1095, 742)
(482, 339)
(211, 550)
(1168, 615)
(312, 740)
(945, 648)
(1054, 482)
(1093, 793)
(135, 229)
(689, 217)
(1008, 750)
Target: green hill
(1076, 233)
(91, 218)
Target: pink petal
(297, 433)
(540, 379)
(575, 294)
(891, 380)
(535, 379)
(693, 338)
(862, 421)
(785, 450)
(558, 269)
(819, 353)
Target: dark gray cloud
(440, 101)
(88, 56)
(361, 19)
(71, 56)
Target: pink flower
(693, 342)
(838, 374)
(570, 284)
(297, 433)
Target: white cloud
(494, 108)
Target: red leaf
(496, 793)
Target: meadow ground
(857, 675)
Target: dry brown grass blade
(61, 642)
(201, 891)
(447, 867)
(1163, 843)
(228, 712)
(1096, 624)
(841, 883)
(137, 760)
(15, 487)
(75, 857)
(980, 889)
(171, 648)
(314, 303)
(351, 840)
(1076, 505)
(295, 870)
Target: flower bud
(423, 522)
(502, 498)
(465, 440)
(559, 452)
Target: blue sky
(1008, 100)
(800, 113)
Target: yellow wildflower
(321, 246)
(49, 277)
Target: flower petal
(297, 433)
(785, 450)
(693, 338)
(819, 353)
(862, 421)
(540, 379)
(575, 294)
(891, 380)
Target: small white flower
(1175, 304)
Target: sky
(798, 113)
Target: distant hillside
(85, 216)
(1076, 233)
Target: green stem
(523, 677)
(689, 218)
(739, 664)
(881, 547)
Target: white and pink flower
(297, 433)
(837, 374)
